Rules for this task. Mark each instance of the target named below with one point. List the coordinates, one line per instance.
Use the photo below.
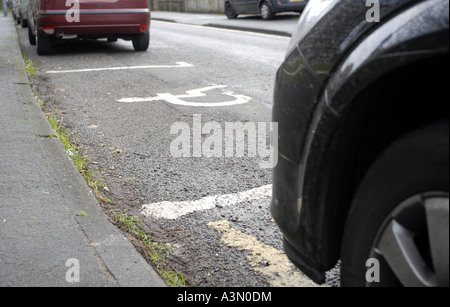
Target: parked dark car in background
(50, 21)
(23, 13)
(20, 12)
(267, 8)
(16, 10)
(363, 171)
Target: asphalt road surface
(134, 113)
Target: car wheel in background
(230, 12)
(31, 37)
(141, 42)
(266, 11)
(23, 22)
(397, 231)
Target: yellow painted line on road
(266, 260)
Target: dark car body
(24, 12)
(20, 11)
(112, 19)
(15, 7)
(256, 7)
(348, 89)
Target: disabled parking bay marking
(196, 93)
(178, 65)
(266, 260)
(173, 210)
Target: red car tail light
(48, 30)
(143, 28)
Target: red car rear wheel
(141, 42)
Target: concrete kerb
(92, 235)
(263, 31)
(208, 22)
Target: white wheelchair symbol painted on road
(179, 99)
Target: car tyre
(23, 22)
(230, 12)
(266, 11)
(141, 42)
(44, 44)
(400, 216)
(31, 36)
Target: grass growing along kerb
(31, 70)
(31, 73)
(155, 252)
(80, 163)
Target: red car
(52, 20)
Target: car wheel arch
(228, 3)
(260, 2)
(315, 242)
(349, 160)
(390, 71)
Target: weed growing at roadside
(80, 163)
(31, 69)
(31, 72)
(156, 252)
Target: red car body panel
(93, 25)
(97, 18)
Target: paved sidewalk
(41, 236)
(283, 24)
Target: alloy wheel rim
(412, 246)
(264, 11)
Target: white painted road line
(196, 93)
(178, 65)
(173, 210)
